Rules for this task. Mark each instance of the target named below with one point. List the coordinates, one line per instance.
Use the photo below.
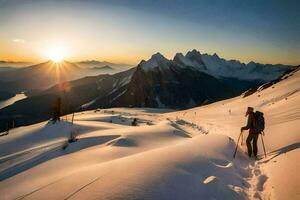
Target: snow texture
(184, 154)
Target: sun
(56, 54)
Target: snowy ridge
(220, 67)
(186, 61)
(181, 59)
(217, 67)
(156, 61)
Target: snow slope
(169, 155)
(93, 167)
(12, 100)
(280, 103)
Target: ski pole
(237, 145)
(262, 140)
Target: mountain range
(38, 77)
(182, 82)
(14, 64)
(99, 64)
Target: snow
(86, 105)
(169, 155)
(220, 67)
(12, 100)
(185, 61)
(216, 66)
(125, 80)
(116, 97)
(156, 61)
(275, 177)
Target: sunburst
(56, 54)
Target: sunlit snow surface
(12, 100)
(169, 155)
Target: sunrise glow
(56, 54)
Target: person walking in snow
(253, 134)
(57, 110)
(134, 122)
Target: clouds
(18, 40)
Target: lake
(12, 100)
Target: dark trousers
(252, 138)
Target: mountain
(221, 68)
(106, 67)
(160, 82)
(39, 77)
(6, 69)
(14, 64)
(105, 70)
(187, 81)
(99, 64)
(74, 95)
(102, 67)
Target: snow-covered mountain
(190, 80)
(221, 68)
(159, 82)
(156, 61)
(185, 154)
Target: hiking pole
(242, 138)
(237, 144)
(262, 140)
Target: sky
(127, 31)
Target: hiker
(134, 122)
(57, 110)
(253, 134)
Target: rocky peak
(196, 57)
(215, 55)
(156, 60)
(193, 53)
(178, 56)
(157, 56)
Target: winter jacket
(251, 123)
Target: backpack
(260, 122)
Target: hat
(250, 108)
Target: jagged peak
(252, 63)
(194, 52)
(156, 60)
(178, 55)
(158, 56)
(216, 55)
